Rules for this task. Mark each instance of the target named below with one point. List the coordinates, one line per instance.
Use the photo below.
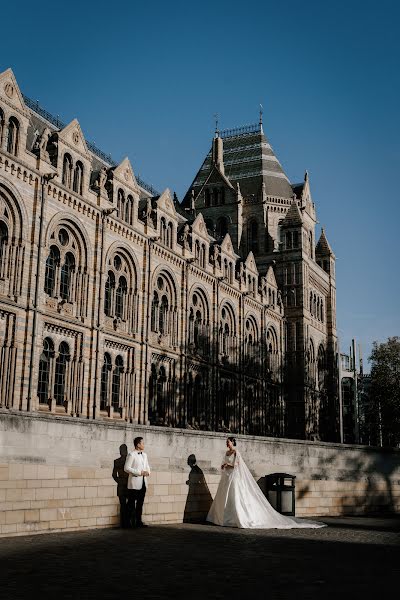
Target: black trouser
(135, 505)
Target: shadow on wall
(121, 479)
(375, 473)
(199, 499)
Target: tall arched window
(120, 292)
(199, 327)
(105, 382)
(163, 318)
(3, 244)
(108, 294)
(164, 310)
(52, 262)
(227, 334)
(66, 274)
(163, 230)
(120, 296)
(121, 204)
(78, 178)
(60, 373)
(170, 235)
(67, 171)
(129, 210)
(116, 383)
(44, 371)
(222, 227)
(13, 136)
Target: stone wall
(56, 473)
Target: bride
(239, 502)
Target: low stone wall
(56, 473)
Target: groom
(137, 466)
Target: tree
(385, 391)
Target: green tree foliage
(385, 390)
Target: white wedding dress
(239, 502)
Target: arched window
(295, 239)
(207, 198)
(66, 276)
(222, 195)
(197, 251)
(52, 262)
(13, 136)
(154, 313)
(321, 368)
(60, 373)
(222, 227)
(105, 382)
(288, 240)
(322, 311)
(120, 293)
(169, 235)
(163, 318)
(164, 310)
(272, 350)
(108, 294)
(227, 331)
(252, 237)
(129, 210)
(203, 256)
(3, 244)
(67, 171)
(163, 230)
(120, 296)
(121, 204)
(116, 383)
(78, 178)
(198, 333)
(44, 371)
(215, 194)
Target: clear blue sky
(144, 79)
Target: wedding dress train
(239, 502)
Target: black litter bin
(280, 488)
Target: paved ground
(354, 558)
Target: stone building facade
(119, 303)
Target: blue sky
(145, 79)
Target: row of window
(317, 307)
(214, 197)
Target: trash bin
(280, 488)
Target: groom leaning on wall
(138, 469)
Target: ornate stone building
(116, 302)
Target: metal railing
(238, 131)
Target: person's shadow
(199, 499)
(121, 478)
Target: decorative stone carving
(75, 137)
(9, 89)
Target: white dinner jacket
(136, 463)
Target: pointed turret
(293, 216)
(323, 248)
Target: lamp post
(43, 181)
